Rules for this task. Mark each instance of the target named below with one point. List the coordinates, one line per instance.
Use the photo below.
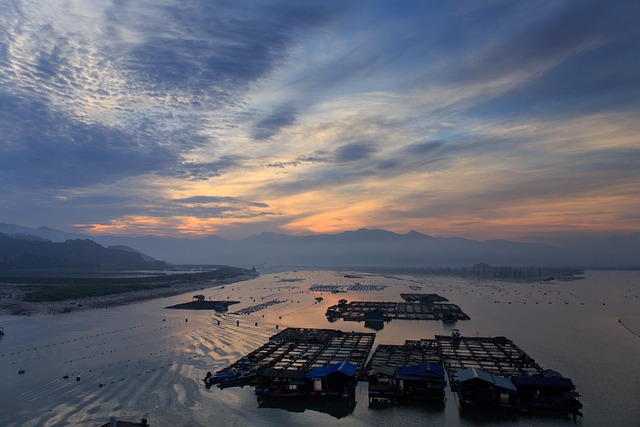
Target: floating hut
(281, 383)
(547, 391)
(374, 315)
(382, 383)
(423, 382)
(478, 387)
(338, 379)
(374, 319)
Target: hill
(25, 253)
(367, 247)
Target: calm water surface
(150, 360)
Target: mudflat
(45, 295)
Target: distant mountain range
(22, 253)
(362, 248)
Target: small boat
(218, 377)
(241, 379)
(1, 331)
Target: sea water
(144, 361)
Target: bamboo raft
(412, 352)
(417, 307)
(301, 350)
(497, 356)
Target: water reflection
(488, 415)
(151, 358)
(491, 416)
(421, 405)
(336, 407)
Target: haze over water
(152, 368)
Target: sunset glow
(310, 117)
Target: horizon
(482, 121)
(551, 240)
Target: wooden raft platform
(424, 298)
(301, 350)
(497, 356)
(411, 353)
(417, 307)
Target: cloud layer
(486, 120)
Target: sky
(493, 119)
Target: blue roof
(344, 367)
(428, 369)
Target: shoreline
(12, 303)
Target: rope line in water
(628, 328)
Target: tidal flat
(150, 360)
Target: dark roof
(551, 373)
(423, 370)
(389, 371)
(374, 314)
(344, 367)
(543, 382)
(473, 373)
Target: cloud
(217, 200)
(298, 161)
(270, 125)
(46, 149)
(139, 113)
(132, 95)
(571, 58)
(354, 152)
(202, 171)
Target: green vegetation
(73, 288)
(66, 292)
